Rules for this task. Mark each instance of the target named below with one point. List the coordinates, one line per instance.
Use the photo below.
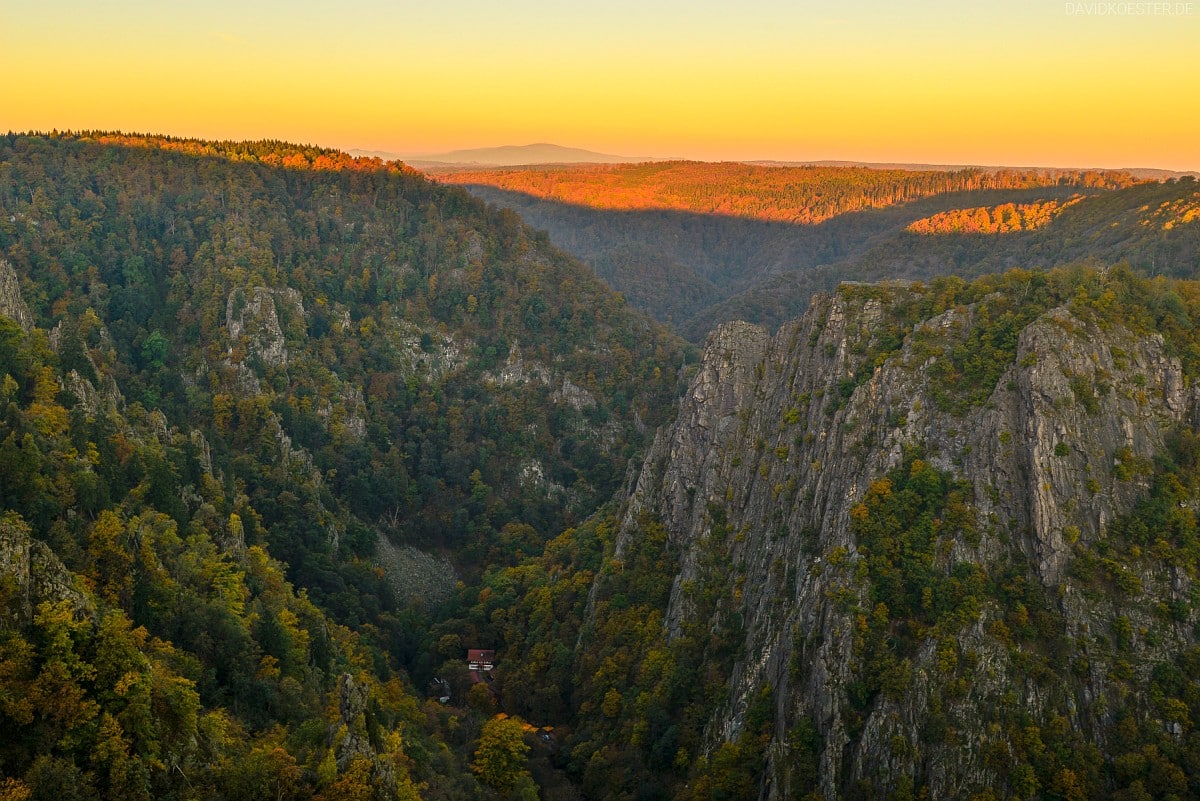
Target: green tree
(154, 349)
(500, 757)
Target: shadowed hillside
(1154, 227)
(696, 270)
(679, 266)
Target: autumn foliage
(269, 152)
(804, 194)
(1003, 219)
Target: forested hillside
(1154, 227)
(235, 376)
(698, 244)
(680, 266)
(800, 195)
(1004, 219)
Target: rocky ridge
(778, 439)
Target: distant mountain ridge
(1141, 173)
(540, 153)
(511, 156)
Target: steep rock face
(352, 704)
(574, 395)
(255, 316)
(517, 370)
(94, 397)
(12, 304)
(351, 739)
(93, 400)
(778, 439)
(34, 574)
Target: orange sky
(1019, 83)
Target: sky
(1022, 83)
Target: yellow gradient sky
(1020, 83)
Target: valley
(638, 401)
(325, 480)
(656, 239)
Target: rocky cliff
(31, 574)
(778, 463)
(12, 304)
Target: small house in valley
(481, 663)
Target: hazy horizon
(1032, 83)
(429, 157)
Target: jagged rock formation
(33, 575)
(12, 304)
(352, 704)
(428, 353)
(92, 400)
(255, 316)
(349, 414)
(574, 395)
(517, 370)
(352, 741)
(94, 396)
(776, 443)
